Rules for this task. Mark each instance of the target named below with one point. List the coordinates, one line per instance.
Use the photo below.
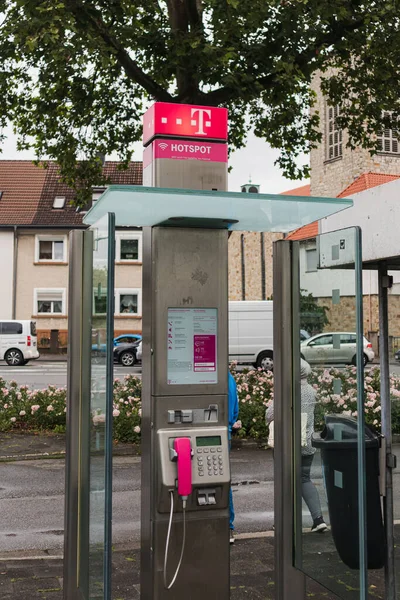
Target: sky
(255, 161)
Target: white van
(251, 333)
(18, 342)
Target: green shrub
(45, 410)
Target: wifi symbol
(163, 145)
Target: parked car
(139, 351)
(126, 338)
(126, 354)
(304, 335)
(323, 348)
(250, 333)
(397, 355)
(18, 342)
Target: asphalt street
(39, 374)
(32, 499)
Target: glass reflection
(326, 404)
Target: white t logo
(201, 123)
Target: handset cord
(171, 514)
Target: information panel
(192, 346)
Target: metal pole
(362, 494)
(262, 250)
(390, 579)
(289, 581)
(76, 514)
(243, 261)
(109, 408)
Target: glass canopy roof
(144, 206)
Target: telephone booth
(185, 460)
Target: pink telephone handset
(184, 457)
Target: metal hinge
(391, 461)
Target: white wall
(6, 262)
(321, 283)
(377, 212)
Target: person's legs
(309, 491)
(231, 511)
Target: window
(128, 302)
(324, 340)
(334, 133)
(129, 249)
(388, 139)
(100, 301)
(348, 338)
(311, 260)
(49, 301)
(59, 202)
(129, 246)
(11, 328)
(50, 249)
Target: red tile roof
(28, 192)
(21, 184)
(308, 231)
(303, 190)
(365, 182)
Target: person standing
(233, 412)
(308, 490)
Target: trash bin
(338, 445)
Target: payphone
(199, 478)
(185, 457)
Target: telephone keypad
(214, 461)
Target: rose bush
(24, 409)
(341, 397)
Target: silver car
(334, 347)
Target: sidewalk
(252, 575)
(19, 445)
(51, 358)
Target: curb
(120, 450)
(22, 555)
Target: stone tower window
(388, 139)
(334, 134)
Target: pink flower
(115, 412)
(136, 429)
(13, 419)
(6, 406)
(34, 408)
(248, 397)
(50, 408)
(22, 413)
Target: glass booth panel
(101, 407)
(329, 452)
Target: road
(32, 499)
(39, 374)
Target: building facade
(36, 219)
(334, 166)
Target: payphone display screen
(209, 440)
(192, 346)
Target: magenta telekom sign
(165, 119)
(185, 150)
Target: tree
(76, 75)
(313, 317)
